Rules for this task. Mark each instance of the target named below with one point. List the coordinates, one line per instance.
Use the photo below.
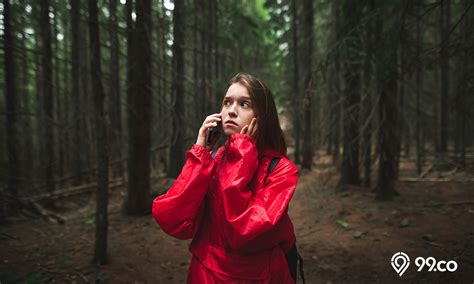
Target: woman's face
(237, 107)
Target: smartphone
(213, 134)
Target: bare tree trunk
(101, 218)
(77, 160)
(388, 138)
(336, 126)
(367, 99)
(402, 70)
(12, 105)
(351, 102)
(204, 58)
(138, 202)
(215, 26)
(67, 109)
(295, 83)
(462, 102)
(418, 89)
(27, 164)
(445, 18)
(176, 151)
(308, 83)
(115, 106)
(47, 93)
(57, 104)
(196, 94)
(39, 129)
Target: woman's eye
(226, 103)
(246, 104)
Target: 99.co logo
(400, 262)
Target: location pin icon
(400, 262)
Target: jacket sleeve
(248, 215)
(179, 211)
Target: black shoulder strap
(272, 165)
(213, 153)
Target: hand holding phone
(213, 135)
(210, 131)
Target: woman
(233, 208)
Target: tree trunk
(204, 58)
(351, 101)
(101, 218)
(47, 92)
(58, 97)
(138, 202)
(336, 126)
(418, 89)
(367, 99)
(462, 102)
(12, 105)
(38, 127)
(388, 138)
(77, 160)
(295, 83)
(308, 83)
(27, 165)
(176, 152)
(115, 105)
(444, 22)
(402, 129)
(196, 52)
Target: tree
(77, 160)
(418, 89)
(308, 83)
(388, 136)
(335, 82)
(47, 91)
(12, 105)
(176, 151)
(350, 155)
(444, 22)
(367, 97)
(295, 82)
(101, 217)
(115, 106)
(140, 95)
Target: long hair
(269, 134)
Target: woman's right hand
(209, 122)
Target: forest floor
(343, 238)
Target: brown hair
(269, 134)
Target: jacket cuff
(201, 152)
(247, 137)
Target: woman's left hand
(250, 129)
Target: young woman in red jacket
(236, 215)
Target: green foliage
(343, 224)
(90, 221)
(65, 261)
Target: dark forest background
(101, 94)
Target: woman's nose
(233, 110)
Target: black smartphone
(213, 134)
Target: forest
(101, 99)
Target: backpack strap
(213, 154)
(272, 165)
(300, 260)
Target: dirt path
(348, 238)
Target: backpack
(292, 256)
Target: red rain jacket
(240, 226)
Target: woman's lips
(231, 123)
